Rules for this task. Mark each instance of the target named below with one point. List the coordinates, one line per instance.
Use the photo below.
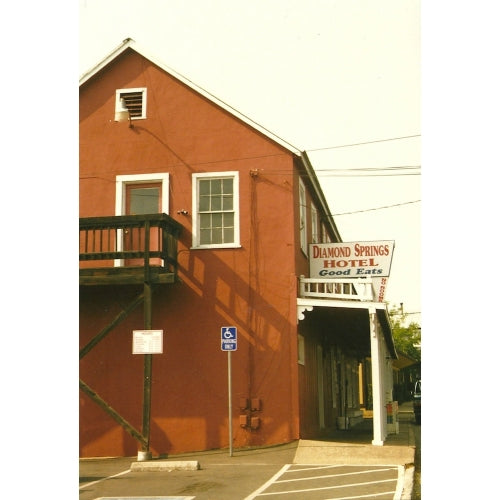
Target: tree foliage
(407, 339)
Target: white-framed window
(314, 224)
(216, 217)
(125, 181)
(141, 193)
(325, 237)
(301, 350)
(303, 216)
(134, 100)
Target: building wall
(252, 287)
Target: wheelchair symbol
(228, 334)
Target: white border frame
(118, 105)
(303, 212)
(236, 193)
(122, 181)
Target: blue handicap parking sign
(229, 338)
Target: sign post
(229, 342)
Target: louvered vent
(133, 100)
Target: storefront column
(378, 376)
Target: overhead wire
(372, 209)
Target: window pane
(216, 203)
(216, 220)
(216, 186)
(205, 236)
(216, 235)
(204, 203)
(229, 220)
(228, 235)
(227, 186)
(227, 203)
(204, 187)
(144, 200)
(205, 221)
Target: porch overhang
(349, 320)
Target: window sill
(216, 247)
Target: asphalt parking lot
(346, 465)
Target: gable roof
(129, 43)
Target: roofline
(129, 43)
(317, 187)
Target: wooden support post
(148, 358)
(112, 412)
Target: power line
(378, 208)
(367, 142)
(381, 174)
(362, 169)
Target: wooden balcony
(128, 249)
(343, 289)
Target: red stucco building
(192, 218)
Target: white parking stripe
(328, 488)
(104, 479)
(310, 467)
(370, 495)
(332, 475)
(266, 485)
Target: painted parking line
(86, 485)
(145, 498)
(371, 482)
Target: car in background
(417, 401)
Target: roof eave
(130, 43)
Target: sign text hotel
(350, 260)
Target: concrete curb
(161, 466)
(319, 452)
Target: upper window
(142, 194)
(216, 210)
(133, 100)
(325, 237)
(315, 226)
(303, 217)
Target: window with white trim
(216, 210)
(325, 237)
(301, 350)
(133, 101)
(314, 224)
(123, 181)
(303, 216)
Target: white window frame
(314, 224)
(122, 181)
(301, 349)
(118, 104)
(303, 216)
(325, 237)
(236, 207)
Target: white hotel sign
(350, 260)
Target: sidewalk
(354, 446)
(342, 446)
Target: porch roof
(349, 321)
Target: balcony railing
(345, 289)
(130, 240)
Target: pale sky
(323, 75)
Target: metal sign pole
(230, 399)
(229, 342)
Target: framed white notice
(147, 342)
